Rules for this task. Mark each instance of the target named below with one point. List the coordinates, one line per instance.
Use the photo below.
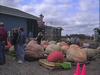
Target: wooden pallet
(48, 65)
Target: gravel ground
(33, 68)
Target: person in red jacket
(3, 42)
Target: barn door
(32, 27)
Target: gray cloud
(63, 13)
(11, 3)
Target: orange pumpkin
(65, 48)
(44, 44)
(9, 45)
(76, 54)
(74, 47)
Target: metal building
(53, 33)
(13, 18)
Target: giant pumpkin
(76, 54)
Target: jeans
(20, 52)
(2, 53)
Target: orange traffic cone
(83, 70)
(77, 72)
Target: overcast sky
(74, 16)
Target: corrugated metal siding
(12, 22)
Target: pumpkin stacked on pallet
(34, 50)
(76, 54)
(44, 44)
(56, 56)
(51, 48)
(55, 59)
(64, 47)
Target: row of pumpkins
(72, 52)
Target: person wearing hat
(3, 41)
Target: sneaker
(20, 62)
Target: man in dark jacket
(20, 50)
(3, 42)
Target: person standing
(39, 37)
(20, 50)
(30, 35)
(14, 37)
(3, 42)
(77, 41)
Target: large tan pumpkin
(44, 44)
(90, 52)
(74, 46)
(76, 54)
(52, 47)
(61, 43)
(52, 42)
(34, 50)
(64, 46)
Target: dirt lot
(33, 68)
